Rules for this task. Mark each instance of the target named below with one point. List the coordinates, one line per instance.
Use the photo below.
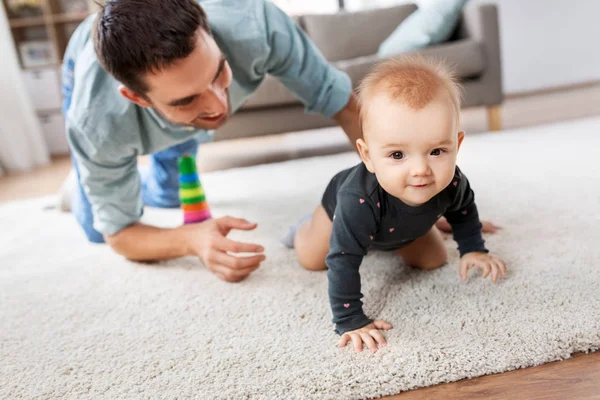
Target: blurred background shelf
(25, 22)
(41, 30)
(69, 17)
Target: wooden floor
(575, 379)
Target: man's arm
(112, 185)
(206, 240)
(295, 60)
(140, 242)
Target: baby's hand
(485, 262)
(367, 335)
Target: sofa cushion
(429, 25)
(347, 35)
(466, 57)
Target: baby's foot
(288, 239)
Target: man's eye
(438, 152)
(397, 155)
(185, 103)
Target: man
(157, 77)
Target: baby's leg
(312, 240)
(426, 252)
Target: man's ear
(365, 156)
(134, 97)
(461, 136)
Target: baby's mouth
(421, 186)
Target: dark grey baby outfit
(366, 217)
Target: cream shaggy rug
(80, 322)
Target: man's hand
(367, 335)
(486, 226)
(208, 241)
(485, 262)
(348, 119)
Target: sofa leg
(494, 118)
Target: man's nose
(218, 100)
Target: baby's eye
(397, 155)
(438, 152)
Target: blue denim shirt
(107, 133)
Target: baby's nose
(420, 167)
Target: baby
(406, 181)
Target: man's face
(193, 91)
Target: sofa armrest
(480, 22)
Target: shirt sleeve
(299, 65)
(110, 180)
(462, 215)
(354, 226)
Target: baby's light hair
(412, 80)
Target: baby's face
(412, 152)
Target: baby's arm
(466, 227)
(354, 225)
(463, 216)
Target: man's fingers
(232, 246)
(228, 223)
(220, 265)
(229, 275)
(219, 275)
(369, 342)
(344, 340)
(238, 263)
(357, 342)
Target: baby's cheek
(444, 180)
(392, 184)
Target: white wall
(549, 43)
(545, 43)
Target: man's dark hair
(134, 37)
